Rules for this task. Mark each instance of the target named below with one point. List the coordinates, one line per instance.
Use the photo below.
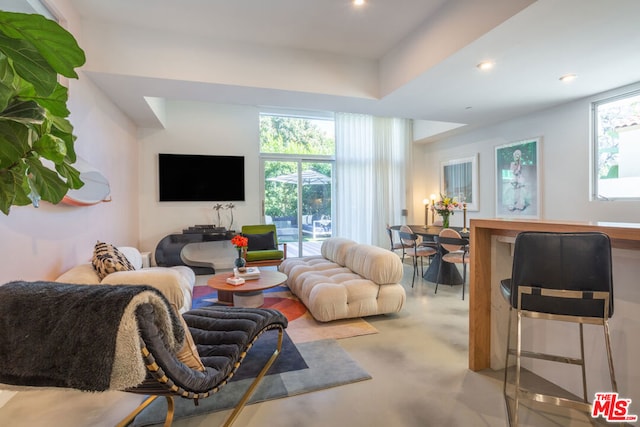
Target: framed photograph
(459, 178)
(518, 179)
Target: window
(297, 161)
(616, 159)
(297, 135)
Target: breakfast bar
(491, 261)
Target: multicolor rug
(300, 368)
(302, 326)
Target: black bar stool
(565, 277)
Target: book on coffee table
(249, 274)
(235, 281)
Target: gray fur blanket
(77, 336)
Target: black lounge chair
(78, 322)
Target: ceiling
(424, 52)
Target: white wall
(37, 244)
(197, 128)
(565, 177)
(565, 180)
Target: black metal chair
(415, 251)
(563, 277)
(454, 249)
(396, 246)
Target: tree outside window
(299, 138)
(617, 147)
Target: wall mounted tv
(200, 178)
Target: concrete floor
(418, 362)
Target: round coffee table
(249, 294)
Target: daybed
(175, 283)
(348, 280)
(129, 339)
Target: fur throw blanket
(78, 336)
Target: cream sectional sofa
(348, 280)
(176, 283)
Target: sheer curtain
(372, 170)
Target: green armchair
(263, 249)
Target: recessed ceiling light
(486, 65)
(567, 78)
(358, 2)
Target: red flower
(239, 241)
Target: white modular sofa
(348, 280)
(175, 283)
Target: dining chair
(558, 277)
(396, 246)
(454, 249)
(415, 251)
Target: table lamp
(426, 212)
(433, 211)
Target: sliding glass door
(298, 199)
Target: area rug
(302, 326)
(300, 368)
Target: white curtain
(372, 175)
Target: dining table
(449, 273)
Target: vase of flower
(445, 219)
(240, 263)
(240, 242)
(445, 207)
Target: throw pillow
(261, 242)
(108, 259)
(188, 354)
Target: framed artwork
(518, 179)
(459, 178)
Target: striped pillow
(108, 259)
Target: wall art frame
(517, 174)
(459, 179)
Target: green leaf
(69, 140)
(56, 103)
(71, 174)
(28, 112)
(14, 143)
(60, 124)
(29, 64)
(54, 43)
(11, 187)
(50, 186)
(51, 147)
(6, 82)
(7, 191)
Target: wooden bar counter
(623, 236)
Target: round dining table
(449, 274)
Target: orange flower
(239, 241)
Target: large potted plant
(36, 138)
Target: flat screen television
(200, 178)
